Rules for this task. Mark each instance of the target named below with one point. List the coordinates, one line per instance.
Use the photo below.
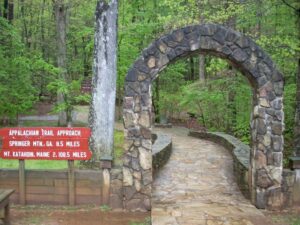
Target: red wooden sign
(52, 143)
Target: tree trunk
(10, 15)
(5, 9)
(102, 111)
(86, 66)
(60, 11)
(297, 115)
(156, 101)
(232, 123)
(297, 111)
(201, 57)
(202, 68)
(119, 82)
(25, 35)
(43, 44)
(192, 69)
(259, 16)
(43, 47)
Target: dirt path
(197, 187)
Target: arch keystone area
(267, 118)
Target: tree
(201, 56)
(102, 111)
(60, 12)
(16, 90)
(297, 115)
(70, 92)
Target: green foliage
(16, 90)
(210, 100)
(118, 147)
(210, 103)
(170, 104)
(289, 102)
(215, 65)
(138, 26)
(36, 164)
(71, 95)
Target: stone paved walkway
(197, 187)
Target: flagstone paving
(197, 187)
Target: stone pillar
(266, 153)
(137, 161)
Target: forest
(47, 49)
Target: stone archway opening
(267, 119)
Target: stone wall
(240, 153)
(161, 151)
(287, 187)
(116, 189)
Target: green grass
(118, 147)
(105, 208)
(29, 123)
(291, 220)
(147, 221)
(35, 164)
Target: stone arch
(267, 119)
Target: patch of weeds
(147, 221)
(286, 219)
(32, 221)
(118, 147)
(70, 208)
(105, 208)
(39, 123)
(36, 164)
(296, 221)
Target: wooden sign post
(46, 143)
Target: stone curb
(161, 151)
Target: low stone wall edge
(161, 151)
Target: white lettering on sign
(6, 154)
(47, 132)
(49, 144)
(23, 154)
(24, 132)
(68, 133)
(43, 154)
(19, 143)
(72, 144)
(38, 144)
(63, 154)
(79, 154)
